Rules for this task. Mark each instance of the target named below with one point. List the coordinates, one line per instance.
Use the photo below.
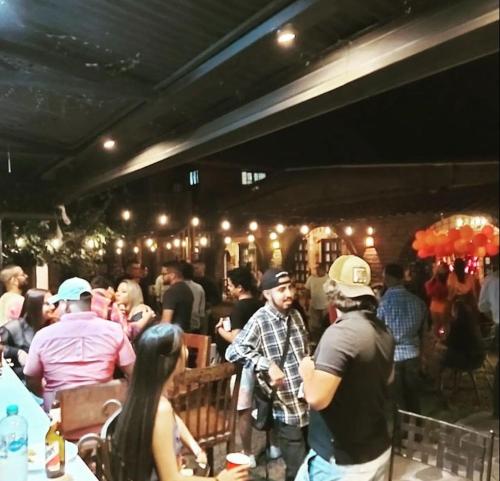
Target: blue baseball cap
(71, 290)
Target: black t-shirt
(242, 311)
(179, 298)
(353, 428)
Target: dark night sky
(449, 116)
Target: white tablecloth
(13, 391)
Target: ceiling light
(348, 230)
(90, 243)
(273, 236)
(177, 242)
(118, 251)
(100, 252)
(168, 246)
(370, 230)
(253, 226)
(369, 241)
(304, 230)
(152, 248)
(195, 221)
(120, 243)
(251, 238)
(276, 244)
(21, 242)
(227, 240)
(162, 219)
(136, 250)
(225, 224)
(109, 144)
(286, 36)
(280, 228)
(126, 214)
(149, 242)
(203, 241)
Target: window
(248, 178)
(194, 177)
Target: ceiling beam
(14, 45)
(386, 58)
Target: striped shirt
(261, 342)
(404, 314)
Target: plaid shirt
(261, 341)
(404, 313)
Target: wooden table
(13, 391)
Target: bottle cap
(12, 409)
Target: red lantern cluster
(458, 242)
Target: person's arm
(125, 355)
(10, 351)
(167, 316)
(34, 384)
(319, 386)
(228, 336)
(164, 451)
(189, 441)
(246, 347)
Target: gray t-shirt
(353, 429)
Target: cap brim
(54, 299)
(355, 291)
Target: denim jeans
(315, 468)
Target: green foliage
(78, 247)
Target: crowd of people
(329, 376)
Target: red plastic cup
(233, 460)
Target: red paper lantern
(466, 232)
(420, 235)
(423, 253)
(448, 249)
(441, 239)
(430, 238)
(488, 231)
(417, 245)
(491, 249)
(440, 251)
(479, 240)
(495, 239)
(453, 234)
(460, 246)
(469, 249)
(480, 251)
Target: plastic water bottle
(13, 446)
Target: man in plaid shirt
(261, 344)
(405, 314)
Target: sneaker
(274, 452)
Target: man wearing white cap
(346, 384)
(79, 349)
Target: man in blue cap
(79, 349)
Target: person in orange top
(436, 289)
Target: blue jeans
(315, 468)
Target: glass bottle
(54, 444)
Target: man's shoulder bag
(262, 402)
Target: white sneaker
(274, 452)
(253, 462)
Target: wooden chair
(82, 407)
(96, 449)
(206, 401)
(448, 447)
(199, 349)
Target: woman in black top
(16, 335)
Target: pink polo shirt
(79, 349)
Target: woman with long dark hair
(16, 335)
(462, 284)
(148, 438)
